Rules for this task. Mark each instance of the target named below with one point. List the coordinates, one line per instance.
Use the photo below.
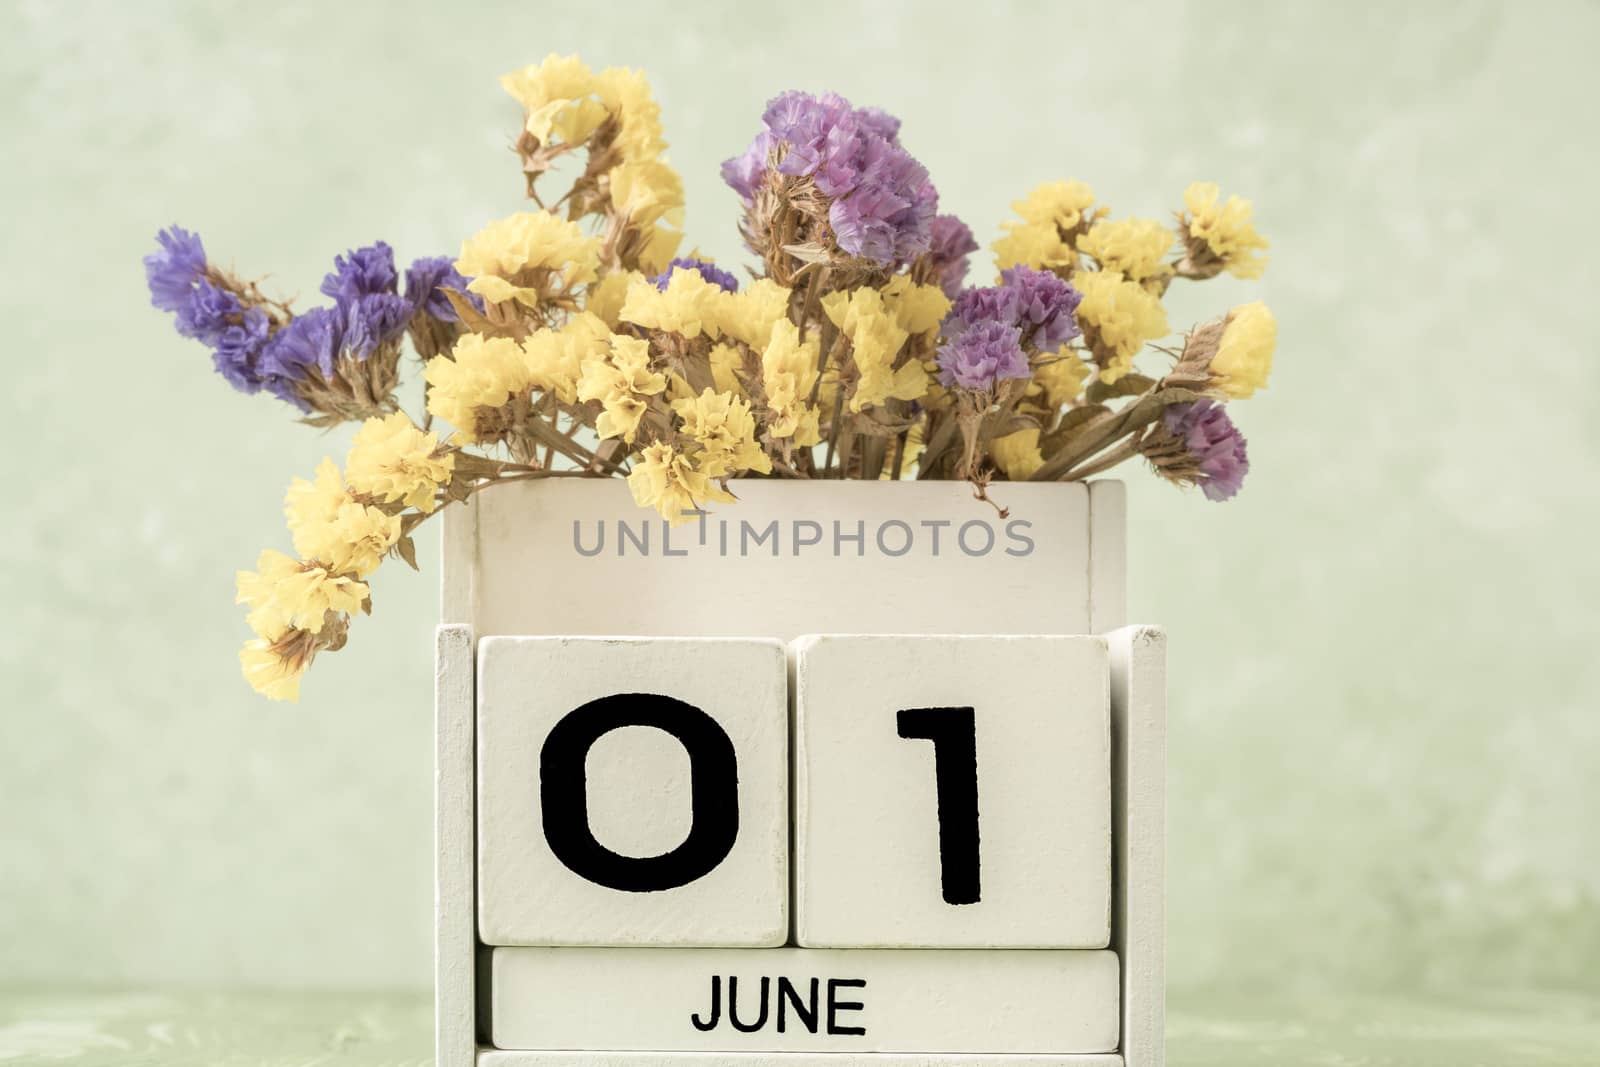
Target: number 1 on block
(1003, 842)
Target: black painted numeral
(713, 789)
(954, 733)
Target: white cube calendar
(844, 772)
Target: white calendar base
(853, 1000)
(500, 1058)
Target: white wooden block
(953, 792)
(1139, 775)
(632, 791)
(835, 1001)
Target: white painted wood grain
(925, 1001)
(867, 814)
(1139, 779)
(455, 938)
(638, 785)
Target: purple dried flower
(1044, 306)
(239, 349)
(312, 341)
(374, 320)
(172, 272)
(209, 311)
(882, 203)
(950, 243)
(709, 271)
(1038, 303)
(361, 272)
(427, 278)
(1197, 443)
(984, 354)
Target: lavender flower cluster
(988, 331)
(254, 352)
(881, 203)
(1213, 445)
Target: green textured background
(1384, 685)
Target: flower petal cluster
(397, 463)
(1197, 444)
(1222, 231)
(622, 381)
(950, 243)
(723, 427)
(518, 257)
(666, 479)
(788, 375)
(881, 202)
(478, 377)
(1047, 218)
(1244, 355)
(876, 339)
(329, 525)
(985, 354)
(1136, 248)
(1118, 317)
(704, 267)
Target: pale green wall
(1384, 684)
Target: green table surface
(1205, 1030)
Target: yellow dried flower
(274, 667)
(514, 258)
(1224, 230)
(620, 380)
(1017, 454)
(1118, 317)
(689, 305)
(665, 479)
(556, 94)
(604, 298)
(1062, 377)
(788, 372)
(626, 94)
(394, 461)
(876, 338)
(647, 192)
(554, 357)
(283, 593)
(1244, 355)
(726, 360)
(722, 425)
(750, 314)
(1049, 213)
(331, 527)
(480, 374)
(918, 308)
(1136, 247)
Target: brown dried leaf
(1127, 385)
(406, 549)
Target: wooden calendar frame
(495, 547)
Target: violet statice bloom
(361, 272)
(311, 341)
(1038, 303)
(1045, 306)
(238, 351)
(1213, 442)
(209, 311)
(709, 271)
(372, 321)
(950, 243)
(173, 272)
(881, 200)
(984, 355)
(426, 280)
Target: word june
(778, 1000)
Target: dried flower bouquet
(573, 341)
